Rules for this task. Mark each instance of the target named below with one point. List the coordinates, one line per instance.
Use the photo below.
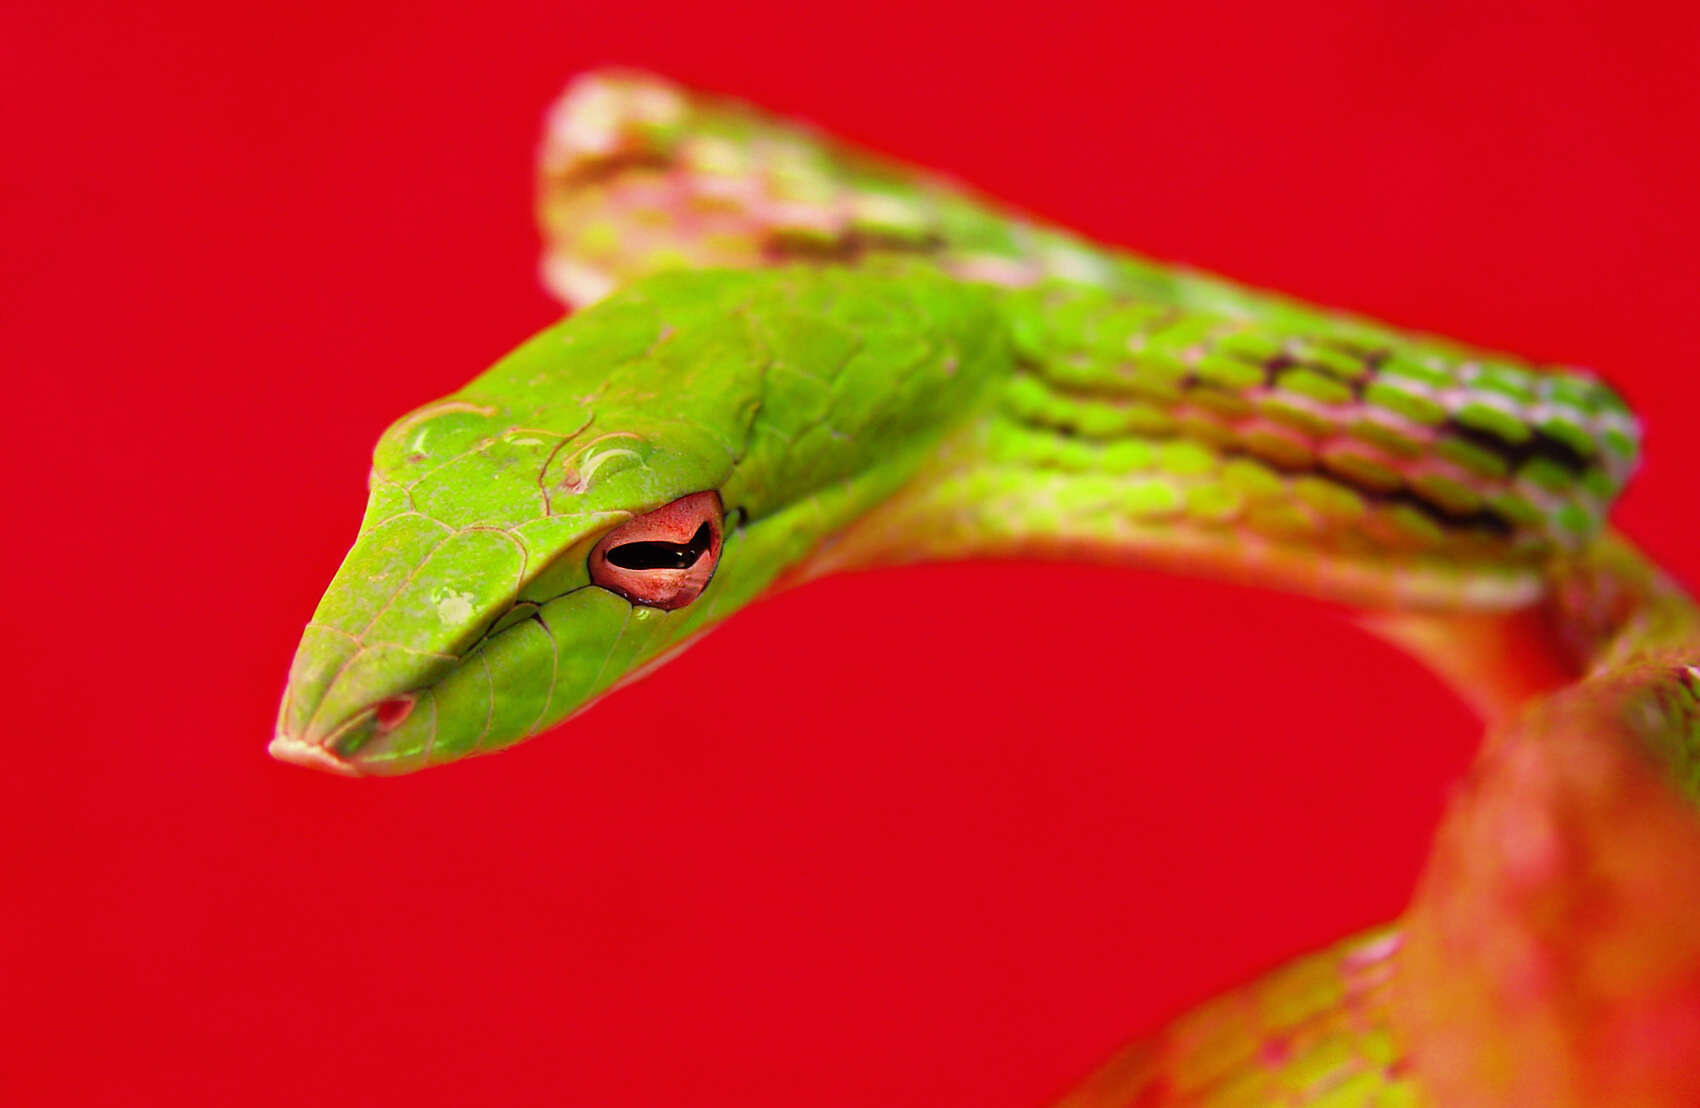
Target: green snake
(789, 358)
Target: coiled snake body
(796, 358)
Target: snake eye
(664, 558)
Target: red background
(941, 836)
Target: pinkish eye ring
(664, 558)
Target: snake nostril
(390, 713)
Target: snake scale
(789, 358)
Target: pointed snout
(299, 752)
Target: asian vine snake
(795, 358)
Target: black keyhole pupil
(662, 555)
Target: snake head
(606, 493)
(505, 574)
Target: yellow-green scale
(1151, 432)
(1315, 1033)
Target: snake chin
(288, 748)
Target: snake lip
(298, 752)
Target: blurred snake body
(789, 357)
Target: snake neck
(1281, 449)
(1152, 416)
